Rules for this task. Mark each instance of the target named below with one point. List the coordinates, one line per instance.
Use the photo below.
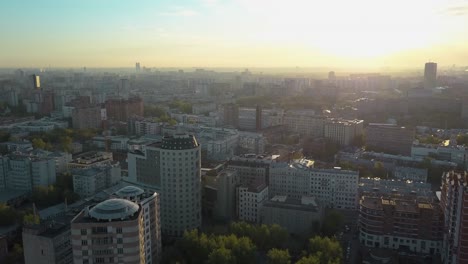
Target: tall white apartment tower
(172, 167)
(180, 184)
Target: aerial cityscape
(234, 131)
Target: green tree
(31, 219)
(66, 143)
(38, 143)
(332, 223)
(278, 256)
(221, 256)
(7, 215)
(328, 250)
(310, 260)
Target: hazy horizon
(358, 35)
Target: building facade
(343, 131)
(388, 137)
(454, 204)
(401, 222)
(110, 232)
(250, 201)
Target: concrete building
(149, 203)
(231, 115)
(409, 173)
(87, 117)
(343, 131)
(141, 126)
(250, 201)
(172, 166)
(295, 215)
(89, 181)
(91, 159)
(24, 172)
(48, 242)
(443, 152)
(389, 137)
(118, 143)
(454, 204)
(122, 110)
(306, 123)
(430, 75)
(109, 232)
(252, 168)
(334, 188)
(387, 187)
(401, 222)
(219, 195)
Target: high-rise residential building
(231, 115)
(430, 75)
(401, 222)
(112, 231)
(331, 76)
(343, 131)
(252, 168)
(123, 109)
(149, 203)
(36, 82)
(454, 204)
(137, 66)
(172, 166)
(86, 117)
(390, 138)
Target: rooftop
(114, 209)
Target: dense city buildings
(389, 138)
(454, 204)
(86, 117)
(123, 109)
(88, 181)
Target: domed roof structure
(129, 191)
(114, 209)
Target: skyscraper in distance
(430, 75)
(137, 66)
(36, 81)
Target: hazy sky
(235, 33)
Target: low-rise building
(410, 173)
(298, 216)
(88, 181)
(90, 159)
(390, 137)
(219, 195)
(250, 201)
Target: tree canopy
(278, 256)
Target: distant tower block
(430, 75)
(36, 81)
(331, 75)
(258, 118)
(137, 66)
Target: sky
(233, 33)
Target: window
(120, 250)
(84, 242)
(119, 230)
(119, 240)
(84, 231)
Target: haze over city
(234, 132)
(359, 34)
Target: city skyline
(237, 33)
